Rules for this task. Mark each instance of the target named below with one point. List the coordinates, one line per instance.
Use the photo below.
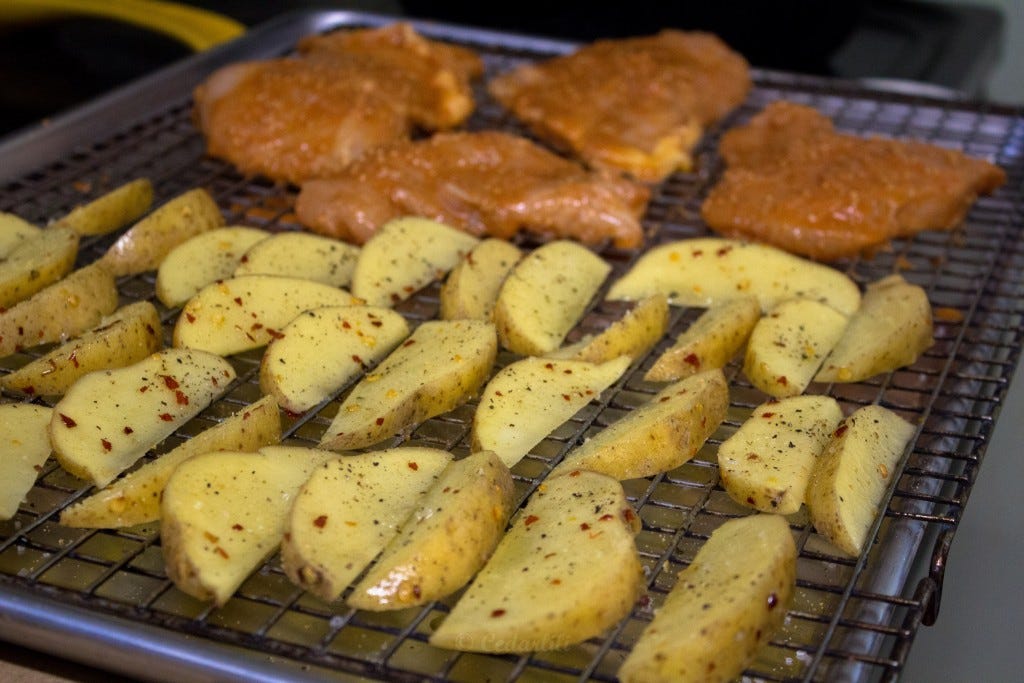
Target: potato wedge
(201, 259)
(348, 511)
(321, 350)
(528, 399)
(789, 344)
(223, 513)
(439, 367)
(13, 231)
(545, 295)
(115, 209)
(126, 336)
(633, 335)
(445, 540)
(24, 447)
(149, 241)
(890, 330)
(109, 419)
(710, 342)
(135, 498)
(723, 608)
(64, 309)
(767, 462)
(472, 287)
(566, 570)
(301, 254)
(35, 262)
(852, 475)
(658, 436)
(707, 270)
(404, 256)
(244, 313)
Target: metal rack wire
(853, 618)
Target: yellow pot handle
(195, 27)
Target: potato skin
(34, 263)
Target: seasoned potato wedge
(35, 262)
(472, 287)
(201, 259)
(149, 241)
(24, 447)
(135, 498)
(723, 608)
(64, 309)
(445, 540)
(318, 352)
(707, 270)
(13, 231)
(246, 312)
(528, 399)
(892, 327)
(116, 209)
(767, 462)
(710, 342)
(126, 336)
(404, 256)
(853, 473)
(633, 335)
(109, 419)
(566, 570)
(789, 344)
(440, 366)
(348, 511)
(658, 436)
(301, 254)
(545, 295)
(223, 513)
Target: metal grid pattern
(851, 618)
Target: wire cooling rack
(103, 596)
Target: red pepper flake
(181, 398)
(379, 421)
(782, 380)
(605, 518)
(693, 359)
(376, 323)
(556, 582)
(220, 551)
(68, 422)
(170, 382)
(29, 390)
(567, 397)
(345, 324)
(840, 431)
(498, 613)
(166, 417)
(274, 334)
(498, 393)
(238, 300)
(723, 251)
(357, 359)
(408, 289)
(74, 358)
(320, 522)
(144, 388)
(212, 538)
(395, 298)
(549, 366)
(628, 514)
(409, 342)
(698, 252)
(189, 317)
(106, 445)
(768, 415)
(237, 527)
(413, 465)
(574, 473)
(530, 520)
(584, 527)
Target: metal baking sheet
(102, 596)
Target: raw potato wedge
(633, 335)
(853, 473)
(789, 344)
(723, 608)
(135, 498)
(204, 258)
(445, 540)
(109, 419)
(24, 447)
(149, 241)
(439, 367)
(66, 308)
(528, 399)
(472, 287)
(710, 342)
(127, 336)
(404, 256)
(658, 436)
(545, 295)
(767, 462)
(13, 231)
(349, 509)
(224, 513)
(321, 350)
(116, 209)
(566, 571)
(890, 330)
(707, 270)
(246, 312)
(301, 254)
(35, 262)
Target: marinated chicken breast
(636, 104)
(486, 183)
(308, 116)
(793, 182)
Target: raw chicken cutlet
(347, 92)
(635, 104)
(793, 182)
(486, 183)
